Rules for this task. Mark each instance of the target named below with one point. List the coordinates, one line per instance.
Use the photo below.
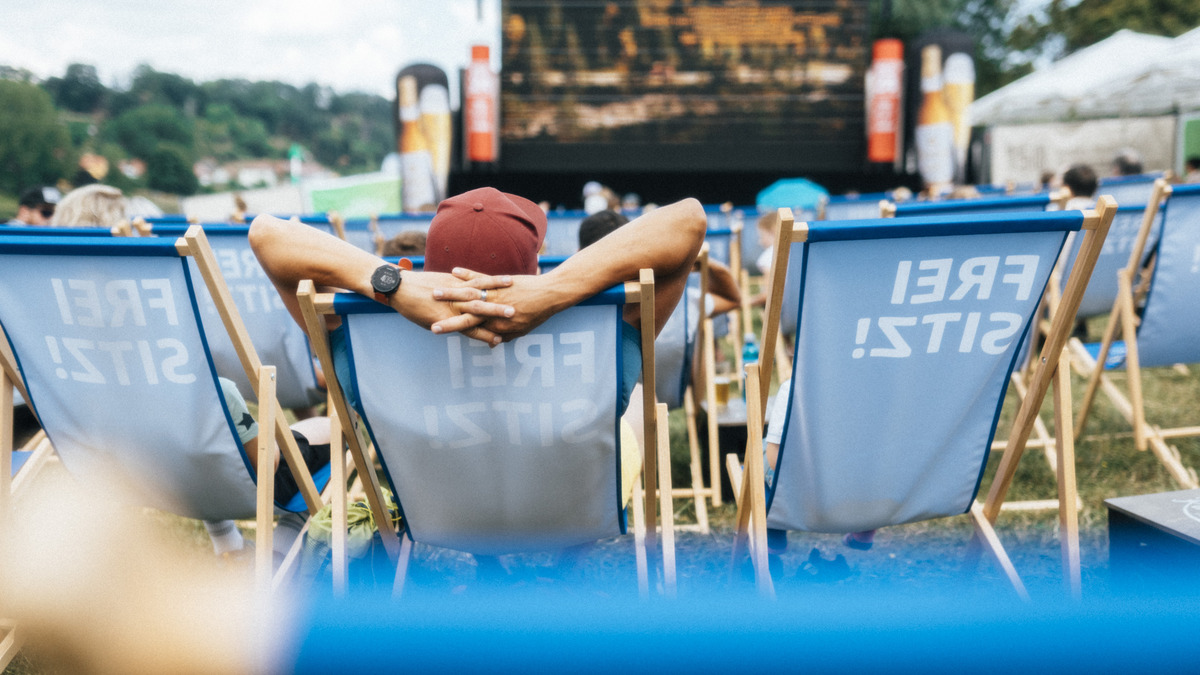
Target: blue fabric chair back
(1170, 328)
(112, 349)
(907, 333)
(495, 450)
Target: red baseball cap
(486, 231)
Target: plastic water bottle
(749, 355)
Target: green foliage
(141, 129)
(169, 169)
(1068, 25)
(79, 90)
(34, 144)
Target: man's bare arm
(290, 252)
(723, 287)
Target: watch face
(386, 279)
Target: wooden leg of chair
(699, 498)
(1133, 371)
(337, 500)
(666, 506)
(710, 397)
(986, 536)
(1068, 517)
(402, 562)
(734, 467)
(1110, 333)
(264, 559)
(10, 643)
(639, 540)
(6, 441)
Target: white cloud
(357, 45)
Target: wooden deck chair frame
(1133, 283)
(37, 454)
(751, 518)
(194, 244)
(653, 496)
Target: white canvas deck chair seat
(110, 347)
(1167, 294)
(907, 334)
(504, 450)
(857, 207)
(277, 338)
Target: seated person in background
(767, 224)
(1081, 180)
(1191, 170)
(312, 438)
(406, 243)
(36, 206)
(1128, 162)
(92, 205)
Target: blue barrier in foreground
(831, 631)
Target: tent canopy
(1097, 81)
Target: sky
(353, 45)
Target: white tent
(1169, 84)
(1127, 91)
(1077, 83)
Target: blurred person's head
(37, 205)
(486, 231)
(408, 242)
(1192, 164)
(964, 192)
(598, 225)
(1081, 180)
(768, 223)
(1128, 162)
(91, 206)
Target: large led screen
(677, 85)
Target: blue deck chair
(907, 336)
(1122, 236)
(1129, 190)
(984, 205)
(1167, 332)
(275, 335)
(506, 449)
(110, 346)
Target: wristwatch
(384, 281)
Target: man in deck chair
(495, 235)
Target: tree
(1066, 26)
(142, 129)
(79, 90)
(34, 144)
(169, 169)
